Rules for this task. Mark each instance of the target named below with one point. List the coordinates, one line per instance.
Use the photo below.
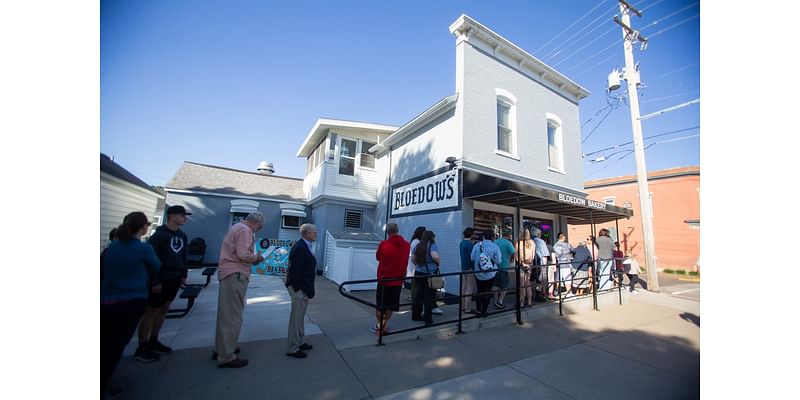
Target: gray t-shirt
(606, 247)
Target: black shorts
(169, 289)
(391, 300)
(502, 280)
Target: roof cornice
(323, 124)
(466, 28)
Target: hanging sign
(438, 191)
(276, 256)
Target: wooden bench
(190, 293)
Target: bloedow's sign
(434, 192)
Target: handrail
(594, 279)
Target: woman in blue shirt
(129, 271)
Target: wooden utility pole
(631, 76)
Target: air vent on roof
(265, 168)
(352, 219)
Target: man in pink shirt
(235, 261)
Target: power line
(569, 41)
(595, 54)
(668, 16)
(613, 28)
(646, 138)
(578, 40)
(573, 24)
(631, 152)
(679, 69)
(651, 5)
(595, 114)
(673, 26)
(596, 65)
(598, 124)
(669, 97)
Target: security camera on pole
(631, 75)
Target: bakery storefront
(508, 205)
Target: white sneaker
(437, 311)
(634, 291)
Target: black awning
(579, 210)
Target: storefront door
(545, 225)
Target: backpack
(485, 263)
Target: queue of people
(139, 280)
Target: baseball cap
(177, 210)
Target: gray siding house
(218, 197)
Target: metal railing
(594, 283)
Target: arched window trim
(558, 166)
(506, 98)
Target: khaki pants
(230, 306)
(296, 319)
(468, 288)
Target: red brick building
(675, 195)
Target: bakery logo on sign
(432, 193)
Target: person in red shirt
(392, 256)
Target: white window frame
(505, 97)
(356, 157)
(362, 150)
(283, 222)
(559, 143)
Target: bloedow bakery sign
(434, 192)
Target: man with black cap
(170, 243)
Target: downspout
(389, 196)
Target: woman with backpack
(426, 263)
(486, 256)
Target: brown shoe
(235, 363)
(298, 354)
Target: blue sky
(236, 82)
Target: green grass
(680, 272)
(668, 271)
(693, 273)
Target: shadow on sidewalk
(642, 348)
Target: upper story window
(316, 157)
(555, 143)
(506, 122)
(367, 160)
(347, 157)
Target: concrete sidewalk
(647, 348)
